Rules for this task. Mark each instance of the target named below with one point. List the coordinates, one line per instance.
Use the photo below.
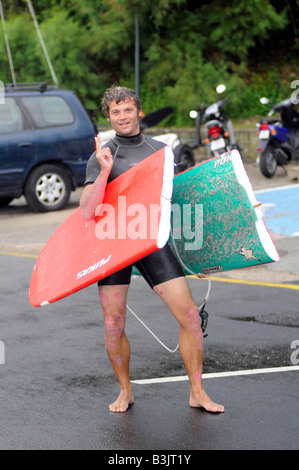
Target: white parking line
(216, 375)
(277, 188)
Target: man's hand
(202, 276)
(93, 194)
(104, 156)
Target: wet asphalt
(56, 382)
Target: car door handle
(25, 144)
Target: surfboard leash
(204, 316)
(152, 333)
(202, 313)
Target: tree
(187, 48)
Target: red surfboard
(132, 222)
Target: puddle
(289, 319)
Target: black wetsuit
(161, 265)
(126, 152)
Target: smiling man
(124, 117)
(161, 270)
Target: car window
(47, 111)
(10, 117)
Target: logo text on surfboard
(93, 267)
(225, 158)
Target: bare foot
(124, 400)
(202, 400)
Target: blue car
(46, 138)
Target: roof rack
(39, 86)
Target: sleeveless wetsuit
(161, 265)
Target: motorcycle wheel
(268, 163)
(183, 158)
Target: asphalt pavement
(56, 382)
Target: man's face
(124, 117)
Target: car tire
(183, 158)
(48, 188)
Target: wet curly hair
(118, 94)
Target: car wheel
(48, 188)
(183, 158)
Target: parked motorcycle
(183, 153)
(278, 139)
(218, 132)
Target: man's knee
(114, 326)
(193, 321)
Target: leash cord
(153, 334)
(200, 309)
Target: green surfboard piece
(217, 222)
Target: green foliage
(186, 50)
(27, 65)
(233, 26)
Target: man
(160, 269)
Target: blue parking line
(280, 207)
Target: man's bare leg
(113, 300)
(177, 296)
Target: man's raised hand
(103, 155)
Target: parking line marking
(21, 255)
(279, 208)
(256, 283)
(278, 188)
(252, 283)
(216, 375)
(217, 279)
